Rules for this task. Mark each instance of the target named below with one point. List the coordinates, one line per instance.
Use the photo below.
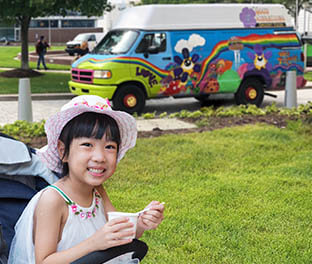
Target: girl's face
(91, 161)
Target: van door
(154, 53)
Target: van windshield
(116, 42)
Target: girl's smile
(96, 172)
(91, 160)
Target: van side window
(155, 40)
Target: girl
(68, 220)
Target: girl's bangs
(96, 125)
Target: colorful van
(192, 50)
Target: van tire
(129, 98)
(251, 91)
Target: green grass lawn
(8, 53)
(308, 76)
(236, 195)
(47, 83)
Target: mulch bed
(221, 122)
(213, 123)
(20, 73)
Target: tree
(21, 12)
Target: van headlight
(102, 74)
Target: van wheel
(129, 98)
(250, 91)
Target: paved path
(42, 109)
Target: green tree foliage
(21, 12)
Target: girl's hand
(112, 234)
(153, 217)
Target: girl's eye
(111, 146)
(86, 144)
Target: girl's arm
(50, 216)
(149, 220)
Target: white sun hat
(78, 105)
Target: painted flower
(248, 17)
(173, 88)
(186, 65)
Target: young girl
(68, 220)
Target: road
(42, 109)
(171, 105)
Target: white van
(192, 50)
(91, 38)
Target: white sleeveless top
(86, 220)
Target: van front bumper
(106, 91)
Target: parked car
(73, 47)
(6, 40)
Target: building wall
(58, 35)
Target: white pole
(49, 32)
(290, 99)
(304, 21)
(296, 14)
(24, 100)
(308, 28)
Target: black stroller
(22, 175)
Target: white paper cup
(133, 218)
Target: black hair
(91, 125)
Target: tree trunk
(24, 23)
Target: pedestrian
(82, 50)
(69, 219)
(41, 50)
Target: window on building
(43, 23)
(77, 23)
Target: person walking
(41, 50)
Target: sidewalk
(42, 109)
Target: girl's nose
(99, 155)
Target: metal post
(290, 99)
(296, 15)
(24, 100)
(50, 32)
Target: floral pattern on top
(82, 213)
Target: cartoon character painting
(192, 73)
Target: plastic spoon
(145, 209)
